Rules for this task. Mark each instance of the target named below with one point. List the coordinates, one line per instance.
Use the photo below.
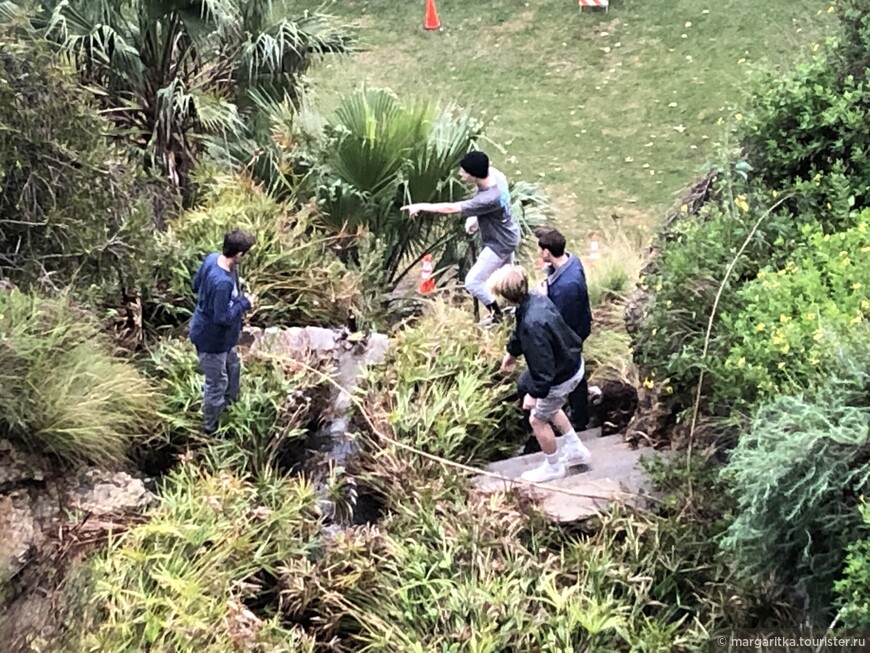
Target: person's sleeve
(225, 309)
(485, 202)
(542, 368)
(556, 293)
(585, 311)
(514, 347)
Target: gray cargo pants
(221, 388)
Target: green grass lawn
(612, 112)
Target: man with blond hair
(553, 353)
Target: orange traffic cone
(427, 281)
(431, 21)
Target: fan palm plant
(377, 153)
(171, 72)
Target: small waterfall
(348, 354)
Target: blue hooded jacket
(217, 321)
(566, 288)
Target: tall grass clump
(614, 273)
(199, 575)
(279, 402)
(607, 354)
(62, 391)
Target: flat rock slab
(612, 474)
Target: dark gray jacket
(552, 349)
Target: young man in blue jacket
(217, 324)
(565, 285)
(555, 367)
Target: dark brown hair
(237, 242)
(551, 240)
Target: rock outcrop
(49, 517)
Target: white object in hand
(471, 225)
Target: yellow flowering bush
(793, 320)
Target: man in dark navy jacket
(566, 287)
(217, 324)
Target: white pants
(487, 263)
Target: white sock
(571, 435)
(553, 458)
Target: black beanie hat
(476, 164)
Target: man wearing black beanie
(490, 211)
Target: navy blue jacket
(551, 348)
(566, 288)
(217, 321)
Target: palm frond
(379, 153)
(151, 63)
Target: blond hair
(510, 282)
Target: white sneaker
(575, 452)
(545, 472)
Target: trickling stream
(349, 354)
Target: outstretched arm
(437, 207)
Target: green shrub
(806, 128)
(292, 269)
(196, 576)
(279, 402)
(796, 476)
(853, 589)
(61, 390)
(459, 576)
(804, 134)
(279, 405)
(793, 322)
(448, 572)
(73, 209)
(683, 281)
(440, 389)
(223, 563)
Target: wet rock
(37, 498)
(18, 466)
(653, 422)
(616, 406)
(99, 492)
